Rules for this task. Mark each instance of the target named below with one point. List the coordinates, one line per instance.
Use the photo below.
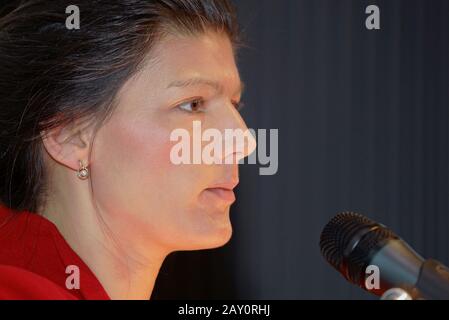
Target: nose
(238, 142)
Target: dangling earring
(83, 172)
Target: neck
(126, 270)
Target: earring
(83, 172)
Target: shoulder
(34, 257)
(20, 284)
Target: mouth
(223, 192)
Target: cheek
(129, 160)
(144, 149)
(132, 166)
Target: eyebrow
(202, 81)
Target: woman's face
(143, 196)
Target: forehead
(208, 55)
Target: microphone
(353, 244)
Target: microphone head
(349, 241)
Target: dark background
(363, 126)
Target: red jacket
(34, 258)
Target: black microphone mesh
(347, 242)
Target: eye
(194, 106)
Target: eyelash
(238, 105)
(191, 102)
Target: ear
(68, 144)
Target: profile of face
(143, 196)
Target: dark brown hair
(52, 76)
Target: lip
(223, 191)
(225, 195)
(228, 185)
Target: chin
(213, 240)
(221, 237)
